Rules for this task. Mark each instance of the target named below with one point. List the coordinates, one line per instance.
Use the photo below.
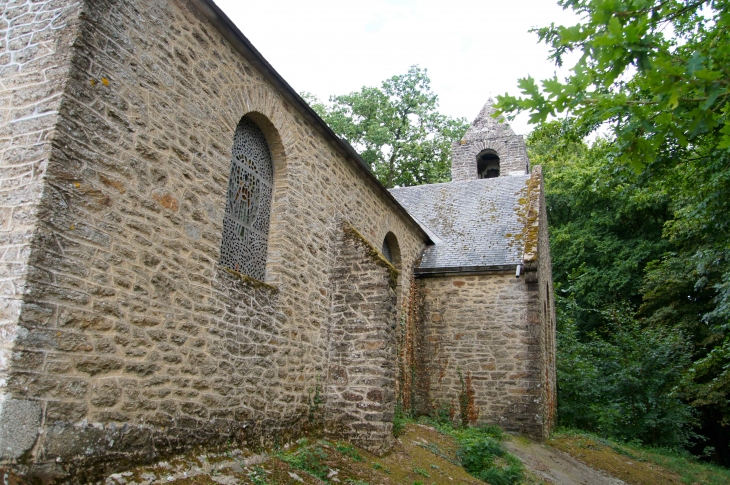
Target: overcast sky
(472, 49)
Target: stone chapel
(191, 256)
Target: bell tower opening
(488, 164)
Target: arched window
(488, 164)
(248, 206)
(391, 249)
(386, 251)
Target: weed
(308, 458)
(315, 401)
(483, 456)
(467, 409)
(377, 466)
(435, 467)
(349, 450)
(258, 476)
(682, 463)
(400, 418)
(443, 413)
(352, 481)
(422, 472)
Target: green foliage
(400, 419)
(482, 455)
(652, 246)
(396, 128)
(656, 73)
(307, 457)
(606, 222)
(622, 384)
(349, 450)
(257, 475)
(422, 472)
(443, 413)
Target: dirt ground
(602, 457)
(422, 456)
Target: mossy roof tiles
(477, 222)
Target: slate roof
(476, 222)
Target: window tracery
(248, 204)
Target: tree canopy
(396, 128)
(653, 242)
(656, 72)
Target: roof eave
(466, 270)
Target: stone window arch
(488, 164)
(248, 202)
(391, 250)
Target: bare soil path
(555, 466)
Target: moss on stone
(528, 212)
(374, 253)
(252, 282)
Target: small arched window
(488, 164)
(391, 249)
(248, 204)
(386, 251)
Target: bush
(620, 383)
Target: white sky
(473, 49)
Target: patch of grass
(257, 475)
(436, 450)
(422, 472)
(307, 457)
(349, 450)
(482, 455)
(688, 468)
(352, 481)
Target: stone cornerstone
(125, 334)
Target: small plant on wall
(468, 414)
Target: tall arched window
(248, 206)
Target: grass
(596, 451)
(307, 457)
(482, 455)
(349, 450)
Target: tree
(396, 128)
(605, 223)
(616, 374)
(656, 73)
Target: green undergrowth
(308, 457)
(690, 470)
(482, 454)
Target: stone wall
(511, 151)
(547, 314)
(493, 134)
(362, 363)
(492, 335)
(481, 327)
(132, 340)
(35, 52)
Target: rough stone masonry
(122, 335)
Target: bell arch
(488, 164)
